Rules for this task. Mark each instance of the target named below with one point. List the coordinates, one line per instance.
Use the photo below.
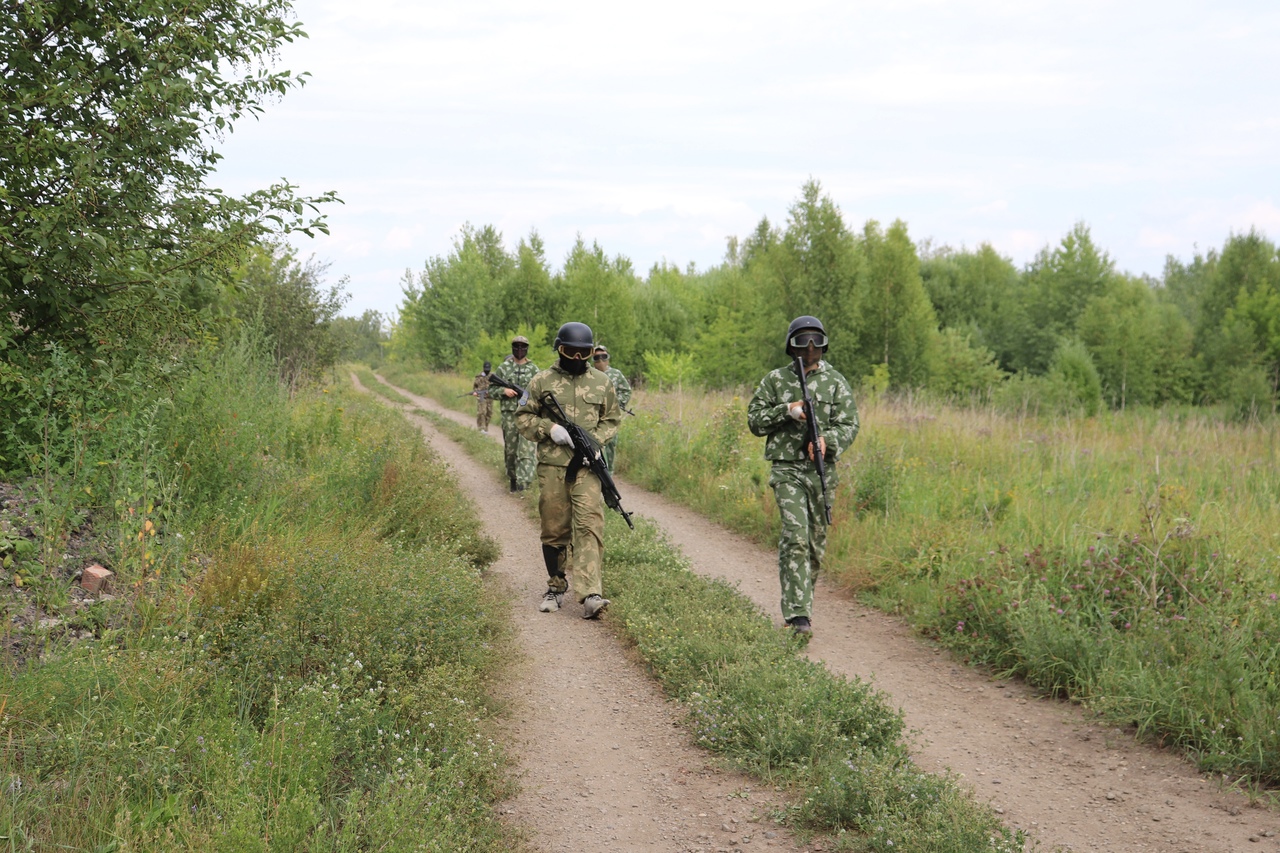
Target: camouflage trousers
(520, 454)
(609, 451)
(484, 413)
(572, 516)
(803, 541)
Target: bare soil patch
(1046, 766)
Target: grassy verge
(752, 699)
(1127, 561)
(298, 656)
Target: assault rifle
(586, 453)
(811, 421)
(495, 379)
(479, 395)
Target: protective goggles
(800, 340)
(600, 357)
(576, 353)
(519, 346)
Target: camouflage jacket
(621, 385)
(785, 437)
(480, 386)
(588, 400)
(517, 374)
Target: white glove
(796, 411)
(560, 435)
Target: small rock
(95, 579)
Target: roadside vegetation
(297, 651)
(751, 698)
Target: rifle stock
(811, 420)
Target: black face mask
(573, 366)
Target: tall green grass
(752, 699)
(298, 658)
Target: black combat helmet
(806, 324)
(574, 335)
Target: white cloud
(400, 237)
(1152, 238)
(1263, 215)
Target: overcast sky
(659, 129)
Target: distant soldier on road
(623, 389)
(777, 413)
(571, 510)
(484, 406)
(519, 453)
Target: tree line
(1066, 331)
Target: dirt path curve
(604, 763)
(1070, 782)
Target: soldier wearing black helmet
(571, 512)
(518, 453)
(776, 413)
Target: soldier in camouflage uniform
(519, 454)
(776, 413)
(571, 511)
(484, 406)
(622, 387)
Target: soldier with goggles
(777, 413)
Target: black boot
(556, 583)
(514, 488)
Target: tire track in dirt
(603, 760)
(1069, 781)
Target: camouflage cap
(519, 339)
(601, 349)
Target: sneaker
(593, 606)
(550, 601)
(801, 625)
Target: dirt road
(604, 763)
(1071, 783)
